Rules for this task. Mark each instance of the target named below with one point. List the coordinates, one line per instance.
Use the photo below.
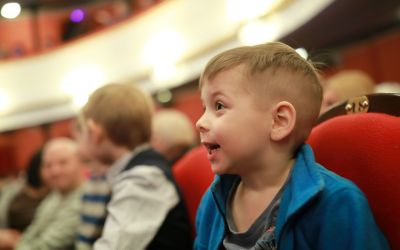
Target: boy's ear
(96, 131)
(284, 119)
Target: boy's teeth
(211, 147)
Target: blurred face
(61, 168)
(81, 136)
(85, 151)
(233, 128)
(92, 145)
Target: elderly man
(173, 134)
(57, 218)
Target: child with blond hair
(260, 104)
(145, 210)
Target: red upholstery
(194, 175)
(365, 148)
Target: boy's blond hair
(284, 74)
(124, 111)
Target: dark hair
(33, 177)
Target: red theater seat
(365, 148)
(194, 175)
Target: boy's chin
(219, 170)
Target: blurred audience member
(387, 87)
(96, 195)
(19, 200)
(145, 210)
(57, 217)
(344, 85)
(172, 134)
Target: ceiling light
(81, 82)
(166, 47)
(163, 72)
(10, 10)
(240, 10)
(77, 15)
(257, 32)
(4, 102)
(302, 52)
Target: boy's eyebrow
(212, 95)
(216, 93)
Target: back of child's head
(285, 76)
(124, 112)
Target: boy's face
(234, 127)
(91, 143)
(84, 146)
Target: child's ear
(284, 119)
(96, 131)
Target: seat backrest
(365, 148)
(194, 175)
(388, 103)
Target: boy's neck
(257, 189)
(269, 176)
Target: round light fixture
(10, 10)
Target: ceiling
(50, 4)
(342, 22)
(345, 22)
(353, 20)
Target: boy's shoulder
(325, 194)
(336, 183)
(327, 205)
(309, 176)
(337, 187)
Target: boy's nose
(201, 124)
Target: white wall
(52, 86)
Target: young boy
(145, 210)
(261, 103)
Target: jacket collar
(304, 185)
(220, 189)
(117, 167)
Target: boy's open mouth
(211, 147)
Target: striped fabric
(96, 195)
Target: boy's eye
(219, 106)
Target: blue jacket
(318, 210)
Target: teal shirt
(319, 210)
